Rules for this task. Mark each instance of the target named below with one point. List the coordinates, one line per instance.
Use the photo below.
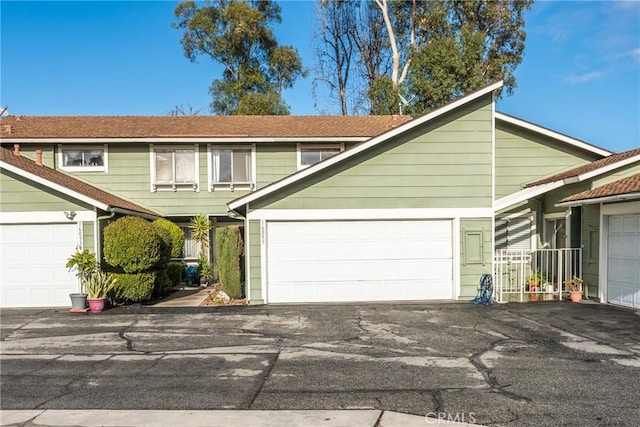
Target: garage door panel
(623, 263)
(359, 261)
(33, 260)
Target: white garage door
(623, 268)
(33, 257)
(359, 261)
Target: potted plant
(83, 263)
(574, 287)
(535, 280)
(98, 284)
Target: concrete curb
(215, 418)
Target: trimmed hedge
(162, 284)
(134, 287)
(165, 245)
(133, 244)
(230, 249)
(177, 236)
(175, 271)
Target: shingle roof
(196, 126)
(590, 167)
(71, 183)
(627, 185)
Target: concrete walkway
(185, 297)
(144, 418)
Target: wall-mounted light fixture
(70, 215)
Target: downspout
(96, 230)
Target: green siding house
(334, 209)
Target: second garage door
(624, 260)
(326, 261)
(33, 257)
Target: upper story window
(310, 154)
(232, 167)
(174, 168)
(83, 158)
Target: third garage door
(323, 261)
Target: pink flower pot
(576, 296)
(96, 304)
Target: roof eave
(598, 200)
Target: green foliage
(200, 226)
(134, 287)
(98, 284)
(133, 244)
(430, 51)
(205, 268)
(175, 271)
(177, 236)
(84, 263)
(238, 35)
(230, 251)
(165, 246)
(162, 284)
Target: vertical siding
(443, 164)
(20, 195)
(255, 263)
(470, 273)
(522, 157)
(591, 248)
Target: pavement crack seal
(489, 375)
(264, 380)
(122, 335)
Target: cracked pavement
(550, 363)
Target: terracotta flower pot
(96, 304)
(576, 296)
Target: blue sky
(580, 74)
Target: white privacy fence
(522, 274)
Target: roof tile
(196, 126)
(627, 185)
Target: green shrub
(175, 271)
(230, 250)
(132, 244)
(165, 247)
(177, 236)
(162, 284)
(134, 287)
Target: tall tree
(238, 35)
(432, 51)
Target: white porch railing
(522, 274)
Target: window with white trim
(82, 158)
(310, 154)
(232, 167)
(174, 168)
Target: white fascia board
(172, 140)
(45, 217)
(234, 204)
(598, 200)
(523, 195)
(54, 186)
(367, 214)
(552, 134)
(608, 168)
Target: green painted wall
(523, 157)
(255, 263)
(475, 258)
(443, 164)
(616, 175)
(29, 151)
(21, 195)
(591, 247)
(274, 161)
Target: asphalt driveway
(548, 363)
